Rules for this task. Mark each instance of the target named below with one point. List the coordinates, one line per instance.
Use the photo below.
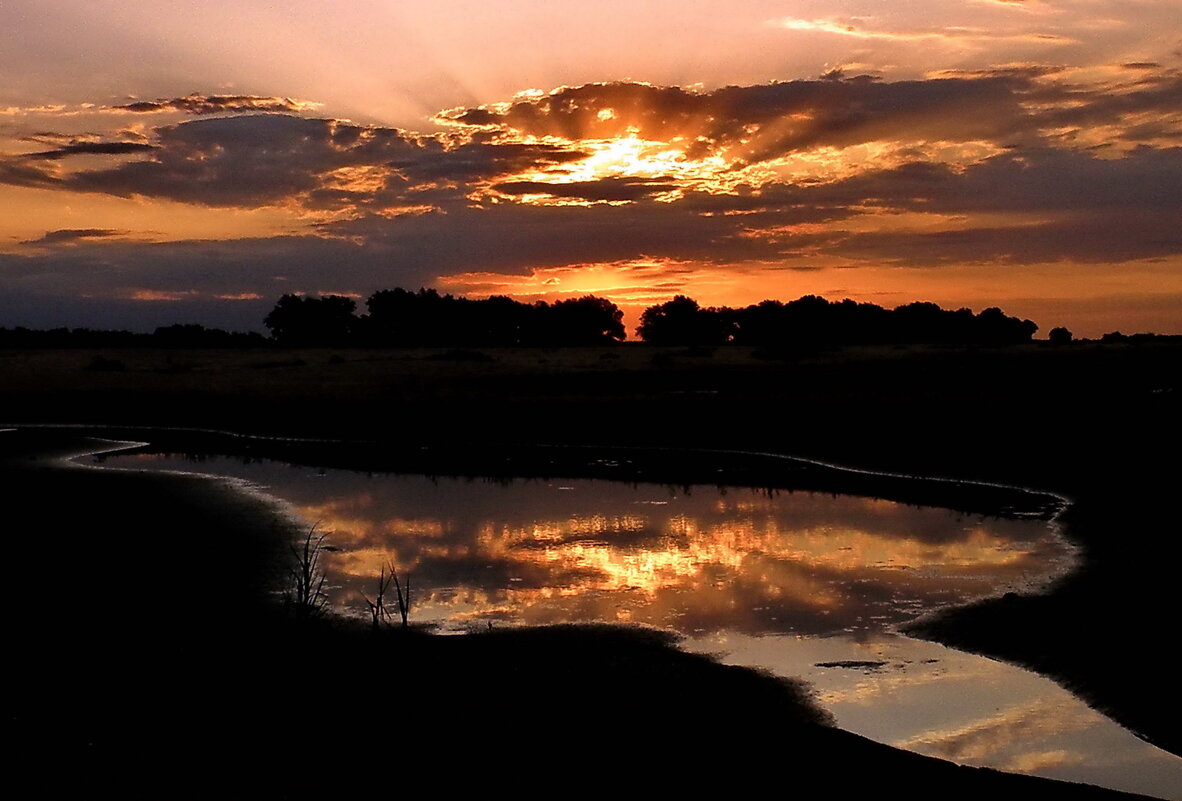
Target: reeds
(305, 596)
(377, 605)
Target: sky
(178, 161)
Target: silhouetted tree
(303, 321)
(813, 321)
(920, 323)
(398, 318)
(994, 327)
(1060, 336)
(191, 335)
(583, 321)
(682, 322)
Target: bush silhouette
(1060, 336)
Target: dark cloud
(1079, 111)
(1082, 238)
(263, 159)
(95, 283)
(91, 148)
(228, 162)
(1063, 205)
(17, 172)
(606, 189)
(754, 123)
(1007, 105)
(478, 160)
(214, 104)
(1020, 72)
(1036, 181)
(23, 170)
(71, 235)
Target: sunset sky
(177, 161)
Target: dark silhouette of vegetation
(198, 336)
(402, 318)
(682, 321)
(172, 336)
(1117, 338)
(399, 317)
(813, 321)
(403, 597)
(302, 321)
(425, 318)
(305, 596)
(377, 604)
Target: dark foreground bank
(150, 658)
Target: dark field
(187, 682)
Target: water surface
(805, 584)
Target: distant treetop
(813, 321)
(400, 317)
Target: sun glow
(668, 170)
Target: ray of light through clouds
(212, 157)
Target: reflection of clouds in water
(354, 521)
(699, 561)
(1042, 760)
(692, 559)
(755, 575)
(983, 740)
(867, 692)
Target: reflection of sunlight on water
(691, 562)
(989, 736)
(944, 703)
(786, 581)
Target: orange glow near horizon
(1051, 294)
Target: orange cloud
(853, 27)
(156, 295)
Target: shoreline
(654, 658)
(625, 463)
(672, 466)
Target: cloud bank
(1000, 168)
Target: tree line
(399, 318)
(815, 321)
(426, 318)
(180, 336)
